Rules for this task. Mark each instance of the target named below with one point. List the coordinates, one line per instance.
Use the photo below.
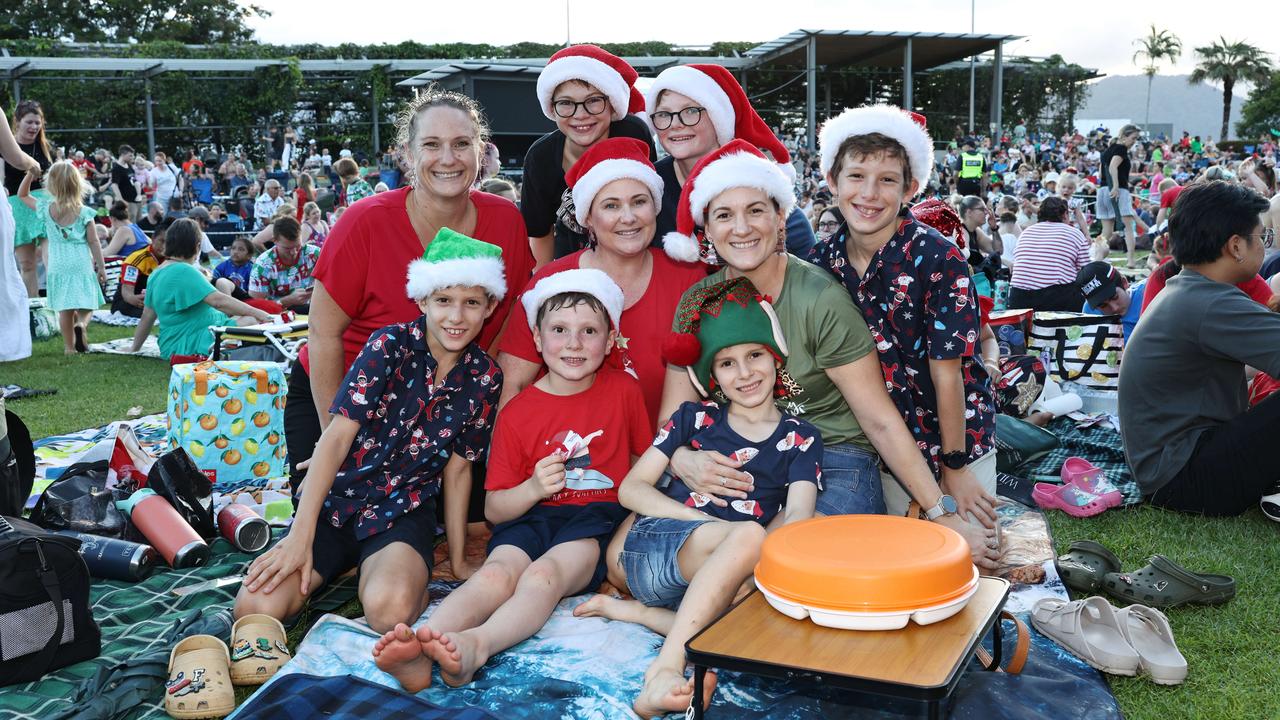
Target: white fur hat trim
(739, 169)
(605, 172)
(702, 89)
(585, 280)
(886, 120)
(427, 277)
(579, 67)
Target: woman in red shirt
(304, 193)
(359, 284)
(616, 197)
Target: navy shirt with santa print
(409, 426)
(793, 453)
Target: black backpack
(45, 619)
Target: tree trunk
(1227, 85)
(1146, 121)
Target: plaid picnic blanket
(108, 317)
(122, 346)
(1100, 445)
(142, 621)
(302, 697)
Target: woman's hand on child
(292, 554)
(971, 499)
(711, 473)
(548, 474)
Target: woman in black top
(28, 130)
(588, 93)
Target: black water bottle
(114, 559)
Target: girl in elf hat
(616, 197)
(590, 95)
(913, 289)
(370, 493)
(675, 556)
(733, 209)
(695, 109)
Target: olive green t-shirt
(823, 329)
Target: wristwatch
(946, 506)
(955, 460)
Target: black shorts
(546, 526)
(336, 550)
(969, 186)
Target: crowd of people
(634, 367)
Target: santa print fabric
(920, 305)
(409, 428)
(365, 259)
(600, 428)
(643, 327)
(793, 453)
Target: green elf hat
(453, 259)
(721, 315)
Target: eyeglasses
(1267, 236)
(567, 108)
(689, 117)
(828, 225)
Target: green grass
(1232, 650)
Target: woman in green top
(183, 300)
(741, 200)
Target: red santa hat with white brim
(609, 74)
(717, 90)
(606, 161)
(733, 165)
(908, 128)
(595, 283)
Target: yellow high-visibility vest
(970, 166)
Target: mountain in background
(1194, 108)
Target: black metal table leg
(997, 644)
(935, 709)
(699, 674)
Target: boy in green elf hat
(413, 412)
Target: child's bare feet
(463, 568)
(401, 655)
(459, 655)
(668, 691)
(611, 608)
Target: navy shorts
(546, 526)
(336, 550)
(648, 558)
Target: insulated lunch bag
(45, 619)
(229, 417)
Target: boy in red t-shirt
(560, 449)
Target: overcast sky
(1076, 30)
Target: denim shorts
(648, 558)
(850, 481)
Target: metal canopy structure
(517, 66)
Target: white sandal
(1089, 630)
(1147, 631)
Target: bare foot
(463, 568)
(1040, 418)
(668, 691)
(400, 655)
(611, 608)
(459, 656)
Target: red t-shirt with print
(643, 326)
(600, 427)
(364, 263)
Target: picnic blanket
(122, 346)
(110, 317)
(141, 622)
(592, 668)
(1099, 444)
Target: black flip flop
(80, 345)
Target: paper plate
(866, 564)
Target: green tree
(1227, 63)
(1261, 112)
(1155, 47)
(125, 21)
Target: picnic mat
(592, 668)
(109, 317)
(1099, 444)
(122, 346)
(140, 623)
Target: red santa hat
(606, 161)
(736, 164)
(908, 128)
(609, 73)
(732, 116)
(591, 281)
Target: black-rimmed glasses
(567, 108)
(1267, 236)
(689, 117)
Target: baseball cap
(1098, 282)
(198, 213)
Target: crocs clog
(1083, 566)
(199, 684)
(258, 649)
(1070, 499)
(1090, 478)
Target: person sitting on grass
(179, 296)
(231, 276)
(284, 273)
(682, 557)
(560, 449)
(1190, 438)
(368, 499)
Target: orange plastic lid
(870, 563)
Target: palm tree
(1156, 46)
(1227, 62)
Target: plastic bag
(176, 478)
(80, 500)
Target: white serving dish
(852, 620)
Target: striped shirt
(1048, 253)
